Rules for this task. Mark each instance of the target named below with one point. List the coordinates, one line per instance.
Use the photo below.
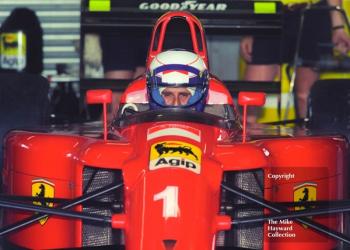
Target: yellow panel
(264, 8)
(99, 5)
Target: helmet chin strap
(200, 105)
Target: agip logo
(13, 49)
(43, 189)
(175, 154)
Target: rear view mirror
(246, 99)
(251, 98)
(100, 96)
(97, 96)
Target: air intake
(98, 234)
(249, 236)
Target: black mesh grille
(248, 236)
(97, 234)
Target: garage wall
(60, 20)
(223, 52)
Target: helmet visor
(176, 85)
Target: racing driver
(177, 78)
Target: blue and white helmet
(178, 69)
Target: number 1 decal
(170, 201)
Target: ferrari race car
(174, 178)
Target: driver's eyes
(167, 94)
(184, 95)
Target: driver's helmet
(177, 78)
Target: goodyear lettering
(176, 163)
(185, 5)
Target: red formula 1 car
(174, 179)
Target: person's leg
(315, 41)
(119, 74)
(261, 72)
(305, 79)
(264, 65)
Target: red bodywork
(60, 159)
(172, 171)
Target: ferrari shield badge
(43, 189)
(176, 154)
(305, 192)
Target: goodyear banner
(13, 49)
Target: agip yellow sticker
(13, 50)
(175, 154)
(43, 189)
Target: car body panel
(151, 175)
